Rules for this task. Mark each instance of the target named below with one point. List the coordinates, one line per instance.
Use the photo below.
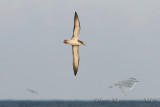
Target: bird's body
(126, 85)
(75, 42)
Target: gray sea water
(59, 103)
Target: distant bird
(32, 91)
(75, 42)
(125, 85)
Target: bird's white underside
(74, 42)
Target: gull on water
(125, 85)
(75, 42)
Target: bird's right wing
(75, 50)
(76, 28)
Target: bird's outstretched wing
(75, 50)
(76, 28)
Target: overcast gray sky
(122, 41)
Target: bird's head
(65, 41)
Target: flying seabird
(75, 42)
(32, 91)
(125, 85)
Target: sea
(78, 103)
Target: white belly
(73, 42)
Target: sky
(121, 37)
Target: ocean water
(11, 103)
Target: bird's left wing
(75, 50)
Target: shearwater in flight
(75, 42)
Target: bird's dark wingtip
(75, 73)
(76, 13)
